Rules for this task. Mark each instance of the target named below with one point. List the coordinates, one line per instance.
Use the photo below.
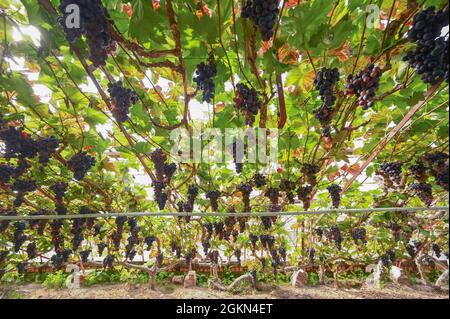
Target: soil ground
(128, 291)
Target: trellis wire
(256, 214)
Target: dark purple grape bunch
(325, 82)
(388, 258)
(149, 240)
(108, 262)
(391, 171)
(94, 25)
(437, 250)
(267, 241)
(430, 57)
(46, 148)
(335, 193)
(310, 172)
(213, 197)
(160, 194)
(245, 189)
(19, 237)
(59, 189)
(192, 194)
(336, 236)
(259, 180)
(418, 171)
(273, 194)
(21, 188)
(424, 191)
(205, 74)
(263, 14)
(17, 143)
(122, 99)
(438, 164)
(80, 164)
(164, 174)
(247, 101)
(6, 172)
(101, 248)
(364, 85)
(304, 194)
(359, 235)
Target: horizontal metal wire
(298, 213)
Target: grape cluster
(245, 189)
(359, 234)
(149, 240)
(206, 246)
(133, 239)
(412, 248)
(46, 147)
(85, 255)
(267, 241)
(310, 171)
(192, 195)
(392, 171)
(160, 195)
(283, 253)
(325, 81)
(18, 144)
(430, 57)
(275, 262)
(60, 257)
(438, 164)
(437, 250)
(335, 193)
(364, 85)
(80, 164)
(304, 194)
(93, 24)
(288, 188)
(418, 171)
(238, 156)
(59, 189)
(108, 262)
(117, 234)
(159, 259)
(190, 255)
(175, 247)
(336, 236)
(213, 197)
(19, 237)
(22, 187)
(204, 78)
(6, 172)
(263, 14)
(259, 180)
(267, 222)
(219, 230)
(122, 99)
(273, 194)
(247, 102)
(424, 191)
(101, 248)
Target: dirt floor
(127, 291)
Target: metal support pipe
(200, 214)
